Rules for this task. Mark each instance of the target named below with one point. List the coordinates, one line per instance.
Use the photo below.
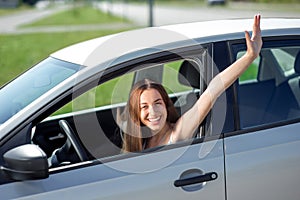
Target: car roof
(209, 31)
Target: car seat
(295, 82)
(188, 75)
(285, 102)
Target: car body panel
(136, 177)
(260, 164)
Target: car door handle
(196, 179)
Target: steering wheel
(66, 128)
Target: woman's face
(153, 113)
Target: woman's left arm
(185, 126)
(227, 77)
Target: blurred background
(30, 30)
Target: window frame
(160, 58)
(268, 42)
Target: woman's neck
(161, 137)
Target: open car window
(93, 116)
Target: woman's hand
(254, 43)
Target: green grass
(19, 52)
(77, 16)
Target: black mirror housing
(26, 162)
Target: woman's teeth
(154, 119)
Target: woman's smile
(154, 119)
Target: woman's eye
(144, 107)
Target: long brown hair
(135, 130)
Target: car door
(262, 158)
(189, 169)
(146, 176)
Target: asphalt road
(138, 13)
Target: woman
(151, 117)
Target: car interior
(276, 93)
(96, 130)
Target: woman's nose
(152, 110)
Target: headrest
(297, 63)
(189, 74)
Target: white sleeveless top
(169, 142)
(170, 139)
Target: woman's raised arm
(185, 126)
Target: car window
(251, 74)
(285, 59)
(172, 84)
(117, 90)
(29, 86)
(111, 92)
(95, 117)
(269, 89)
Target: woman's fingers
(256, 26)
(254, 42)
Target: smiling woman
(149, 106)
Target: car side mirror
(26, 162)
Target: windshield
(32, 84)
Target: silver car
(61, 123)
